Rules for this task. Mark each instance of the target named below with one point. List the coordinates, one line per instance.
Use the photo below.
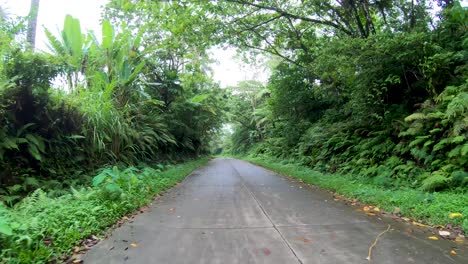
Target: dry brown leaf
(370, 214)
(76, 249)
(453, 252)
(433, 238)
(419, 224)
(134, 244)
(459, 240)
(366, 209)
(303, 239)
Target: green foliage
(390, 106)
(80, 213)
(123, 103)
(434, 182)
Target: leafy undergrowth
(436, 208)
(40, 229)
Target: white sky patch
(52, 14)
(228, 70)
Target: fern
(464, 149)
(415, 116)
(418, 141)
(434, 182)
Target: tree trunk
(32, 23)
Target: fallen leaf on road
(433, 238)
(303, 239)
(444, 233)
(459, 240)
(453, 252)
(419, 224)
(453, 215)
(134, 244)
(370, 214)
(376, 209)
(172, 209)
(366, 209)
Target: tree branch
(287, 14)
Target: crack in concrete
(265, 213)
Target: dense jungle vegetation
(377, 89)
(372, 90)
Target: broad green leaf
(107, 35)
(97, 180)
(10, 143)
(74, 37)
(198, 98)
(36, 140)
(34, 151)
(5, 229)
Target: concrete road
(231, 211)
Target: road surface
(231, 211)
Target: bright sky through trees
(227, 70)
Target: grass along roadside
(40, 229)
(437, 208)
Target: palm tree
(32, 23)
